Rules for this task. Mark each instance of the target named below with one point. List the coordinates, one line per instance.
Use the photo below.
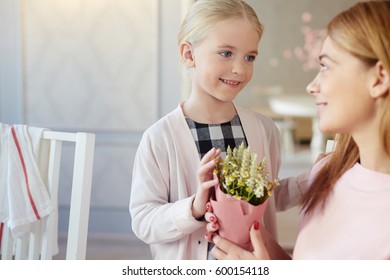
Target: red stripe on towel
(25, 173)
(1, 233)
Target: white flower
(259, 191)
(242, 177)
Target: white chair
(330, 146)
(40, 243)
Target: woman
(345, 209)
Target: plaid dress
(220, 136)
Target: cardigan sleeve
(155, 218)
(291, 189)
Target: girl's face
(223, 61)
(342, 92)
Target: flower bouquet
(242, 194)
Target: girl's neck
(208, 110)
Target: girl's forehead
(235, 31)
(240, 22)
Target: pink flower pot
(235, 218)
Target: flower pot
(235, 217)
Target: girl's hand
(207, 179)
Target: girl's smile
(223, 62)
(230, 83)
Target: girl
(345, 211)
(218, 43)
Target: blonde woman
(345, 210)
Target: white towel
(24, 198)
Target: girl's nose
(238, 67)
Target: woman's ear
(187, 54)
(381, 84)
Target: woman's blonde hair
(364, 31)
(204, 14)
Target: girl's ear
(381, 84)
(186, 54)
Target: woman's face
(223, 61)
(342, 92)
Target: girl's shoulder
(247, 112)
(250, 116)
(165, 131)
(166, 123)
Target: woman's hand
(207, 179)
(226, 250)
(212, 223)
(265, 246)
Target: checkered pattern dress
(220, 136)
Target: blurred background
(111, 67)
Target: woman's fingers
(216, 251)
(259, 249)
(273, 249)
(209, 207)
(212, 227)
(210, 217)
(226, 250)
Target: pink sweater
(355, 223)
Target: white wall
(283, 26)
(111, 67)
(11, 91)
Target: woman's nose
(312, 87)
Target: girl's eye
(250, 58)
(226, 53)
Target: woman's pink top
(355, 223)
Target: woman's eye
(323, 67)
(250, 58)
(226, 53)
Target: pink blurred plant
(308, 53)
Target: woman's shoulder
(367, 179)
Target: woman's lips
(321, 106)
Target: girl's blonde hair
(364, 31)
(204, 14)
